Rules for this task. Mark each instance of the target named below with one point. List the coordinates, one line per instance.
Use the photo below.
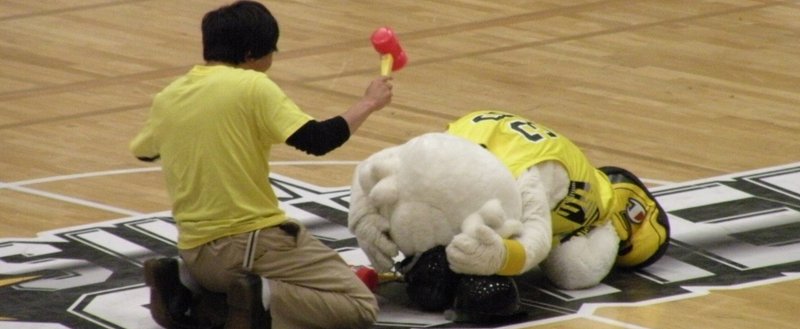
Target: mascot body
(494, 197)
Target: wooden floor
(672, 90)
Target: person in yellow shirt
(212, 130)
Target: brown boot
(169, 299)
(245, 309)
(209, 310)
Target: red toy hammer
(386, 44)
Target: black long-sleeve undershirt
(314, 137)
(320, 137)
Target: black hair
(236, 32)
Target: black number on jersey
(531, 132)
(525, 128)
(491, 116)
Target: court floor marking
(22, 186)
(157, 168)
(587, 310)
(78, 201)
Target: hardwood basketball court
(672, 90)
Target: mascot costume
(460, 214)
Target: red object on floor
(368, 276)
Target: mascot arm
(490, 244)
(373, 187)
(536, 235)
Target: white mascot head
(416, 196)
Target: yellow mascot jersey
(521, 144)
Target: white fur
(553, 179)
(415, 196)
(365, 221)
(438, 189)
(479, 248)
(537, 232)
(583, 261)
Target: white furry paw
(493, 216)
(583, 261)
(478, 251)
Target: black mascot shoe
(480, 298)
(430, 283)
(169, 299)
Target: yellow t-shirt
(521, 144)
(213, 129)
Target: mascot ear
(384, 193)
(377, 167)
(374, 191)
